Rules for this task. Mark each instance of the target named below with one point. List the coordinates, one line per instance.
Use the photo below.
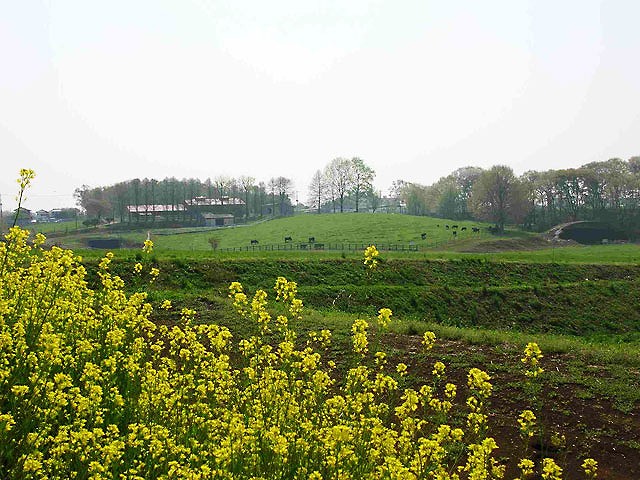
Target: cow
(447, 227)
(254, 242)
(455, 233)
(438, 226)
(475, 229)
(454, 226)
(312, 239)
(288, 239)
(424, 236)
(463, 228)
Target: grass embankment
(522, 297)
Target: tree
(283, 187)
(340, 176)
(316, 190)
(498, 196)
(361, 179)
(246, 184)
(223, 185)
(413, 195)
(374, 199)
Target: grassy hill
(353, 229)
(364, 228)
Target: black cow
(312, 239)
(424, 236)
(254, 242)
(455, 233)
(463, 228)
(447, 227)
(288, 239)
(438, 226)
(475, 229)
(454, 226)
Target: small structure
(218, 219)
(43, 216)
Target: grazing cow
(447, 227)
(438, 226)
(312, 239)
(254, 242)
(454, 226)
(475, 229)
(288, 239)
(463, 228)
(455, 233)
(424, 236)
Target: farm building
(156, 212)
(218, 219)
(200, 211)
(228, 205)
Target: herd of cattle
(454, 230)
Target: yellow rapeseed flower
(590, 467)
(551, 470)
(147, 246)
(371, 257)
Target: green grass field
(59, 227)
(357, 229)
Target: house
(43, 216)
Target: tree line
(260, 198)
(600, 191)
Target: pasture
(356, 230)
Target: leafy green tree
(498, 196)
(361, 179)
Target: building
(156, 212)
(43, 216)
(230, 205)
(218, 219)
(199, 210)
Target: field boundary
(387, 247)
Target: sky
(94, 92)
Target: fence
(389, 247)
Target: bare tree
(340, 176)
(223, 185)
(316, 190)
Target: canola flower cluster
(371, 257)
(91, 388)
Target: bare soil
(592, 427)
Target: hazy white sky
(94, 92)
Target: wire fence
(388, 247)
